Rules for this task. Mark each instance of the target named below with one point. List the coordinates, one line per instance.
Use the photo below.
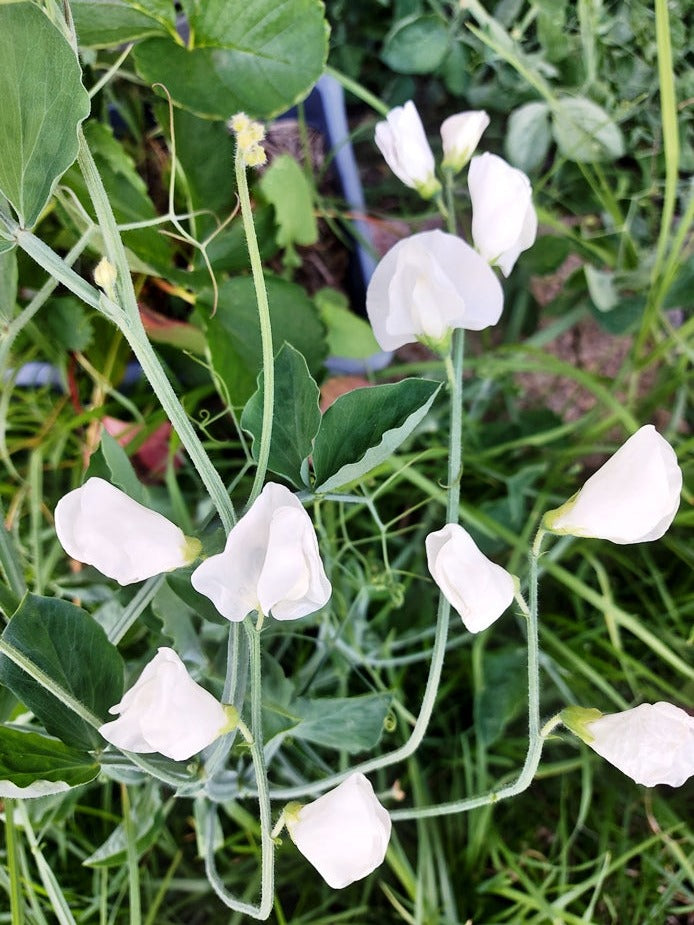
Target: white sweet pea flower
(652, 743)
(344, 833)
(166, 712)
(100, 525)
(404, 146)
(504, 221)
(632, 498)
(460, 135)
(270, 563)
(479, 589)
(428, 284)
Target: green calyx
(440, 346)
(551, 517)
(429, 188)
(577, 719)
(233, 718)
(191, 549)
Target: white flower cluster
(425, 287)
(433, 282)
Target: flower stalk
(240, 164)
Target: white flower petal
(166, 712)
(652, 743)
(460, 135)
(632, 498)
(343, 833)
(477, 588)
(403, 143)
(428, 284)
(271, 562)
(504, 221)
(102, 526)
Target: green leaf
(528, 136)
(584, 132)
(548, 256)
(233, 333)
(179, 582)
(259, 57)
(147, 816)
(122, 474)
(348, 334)
(624, 315)
(101, 23)
(43, 103)
(296, 420)
(502, 694)
(285, 186)
(8, 284)
(351, 723)
(416, 44)
(354, 724)
(33, 765)
(66, 324)
(177, 625)
(72, 650)
(362, 428)
(455, 69)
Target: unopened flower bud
(105, 275)
(460, 135)
(404, 146)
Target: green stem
(234, 693)
(131, 325)
(255, 743)
(358, 90)
(265, 325)
(536, 737)
(47, 683)
(454, 368)
(16, 901)
(449, 195)
(145, 593)
(267, 889)
(671, 149)
(131, 853)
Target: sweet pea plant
(227, 733)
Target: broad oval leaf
(33, 765)
(528, 136)
(260, 57)
(416, 44)
(352, 724)
(296, 420)
(102, 23)
(233, 333)
(71, 649)
(584, 132)
(362, 428)
(43, 103)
